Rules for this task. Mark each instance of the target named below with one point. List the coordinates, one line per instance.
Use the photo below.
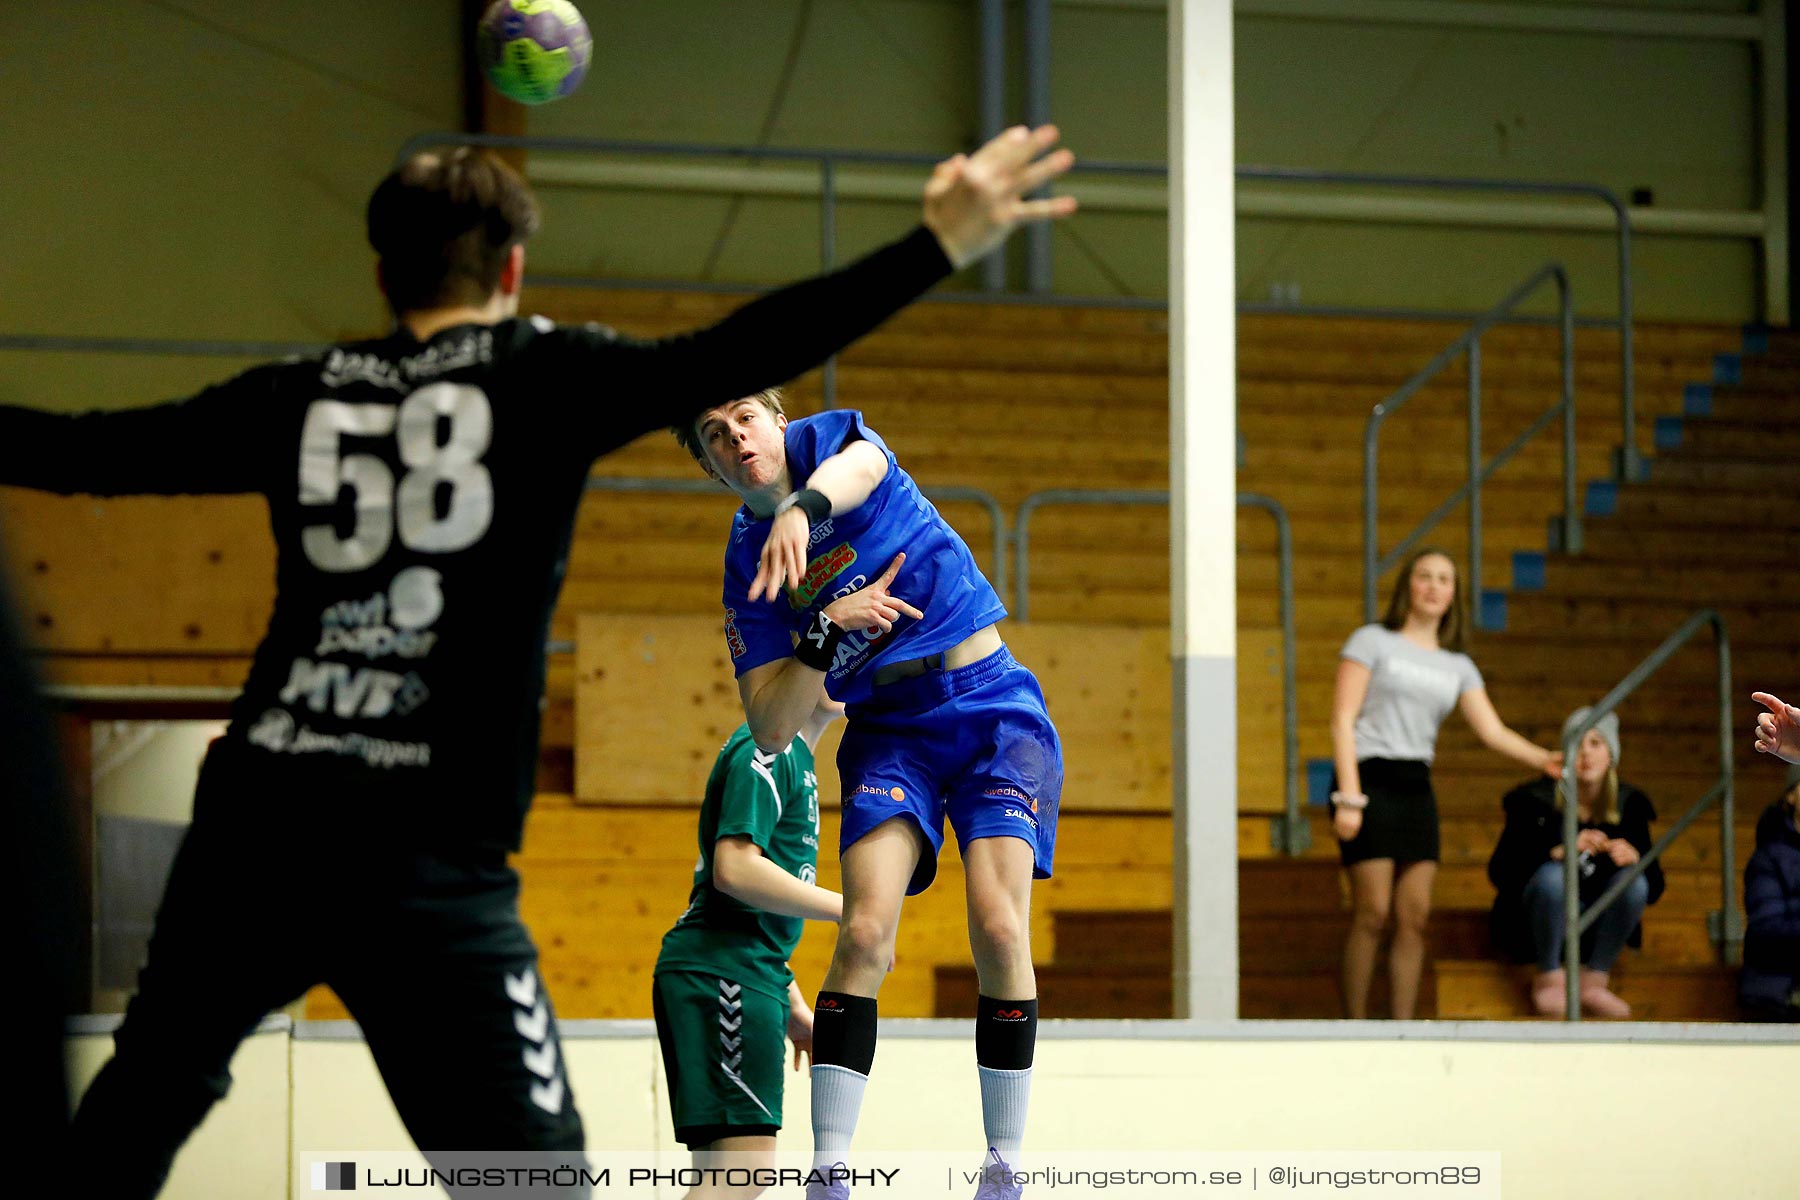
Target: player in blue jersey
(943, 723)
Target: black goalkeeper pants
(428, 954)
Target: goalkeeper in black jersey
(352, 825)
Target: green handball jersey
(773, 799)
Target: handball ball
(534, 51)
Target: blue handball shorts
(974, 744)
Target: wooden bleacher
(1014, 399)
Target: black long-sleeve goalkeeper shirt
(423, 497)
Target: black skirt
(1401, 821)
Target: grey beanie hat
(1607, 728)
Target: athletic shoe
(835, 1188)
(997, 1181)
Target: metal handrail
(828, 159)
(1037, 500)
(586, 145)
(827, 162)
(1292, 835)
(1630, 464)
(1288, 833)
(1575, 923)
(703, 487)
(1469, 344)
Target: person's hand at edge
(1778, 730)
(973, 201)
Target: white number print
(412, 509)
(324, 472)
(455, 463)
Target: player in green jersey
(723, 992)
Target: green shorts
(723, 1048)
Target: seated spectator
(1766, 986)
(1527, 873)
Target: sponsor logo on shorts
(733, 638)
(1022, 815)
(821, 571)
(1012, 793)
(894, 793)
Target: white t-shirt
(1411, 691)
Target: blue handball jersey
(939, 578)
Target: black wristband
(819, 643)
(811, 501)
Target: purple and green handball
(534, 51)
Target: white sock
(1005, 1095)
(837, 1094)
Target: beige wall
(148, 769)
(241, 1150)
(199, 168)
(340, 1104)
(1675, 116)
(1649, 1119)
